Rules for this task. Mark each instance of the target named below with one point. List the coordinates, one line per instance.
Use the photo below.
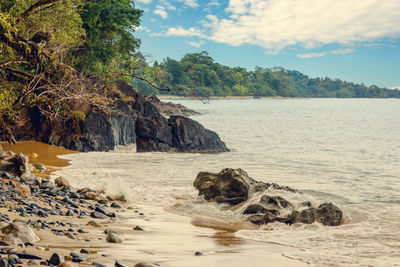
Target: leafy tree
(109, 25)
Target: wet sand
(168, 239)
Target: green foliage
(204, 77)
(109, 25)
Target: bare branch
(167, 89)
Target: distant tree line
(198, 74)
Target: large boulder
(16, 234)
(178, 133)
(265, 205)
(229, 185)
(15, 163)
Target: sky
(352, 40)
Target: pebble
(113, 238)
(119, 264)
(84, 251)
(28, 256)
(144, 264)
(98, 215)
(138, 228)
(198, 253)
(98, 264)
(55, 259)
(115, 205)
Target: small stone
(27, 256)
(110, 231)
(84, 251)
(39, 166)
(119, 264)
(115, 205)
(198, 253)
(2, 243)
(61, 182)
(69, 213)
(98, 264)
(98, 215)
(12, 251)
(32, 262)
(90, 195)
(113, 238)
(70, 235)
(34, 155)
(48, 185)
(55, 259)
(23, 190)
(138, 228)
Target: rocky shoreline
(37, 212)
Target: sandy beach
(168, 239)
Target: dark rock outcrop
(129, 118)
(178, 133)
(234, 186)
(171, 109)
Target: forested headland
(198, 74)
(60, 58)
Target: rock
(15, 163)
(34, 155)
(276, 202)
(115, 205)
(254, 209)
(23, 190)
(96, 264)
(230, 185)
(138, 228)
(32, 262)
(55, 259)
(61, 182)
(39, 166)
(329, 214)
(90, 195)
(109, 231)
(27, 256)
(47, 185)
(3, 262)
(84, 251)
(178, 134)
(19, 234)
(307, 216)
(98, 215)
(169, 108)
(198, 253)
(119, 264)
(113, 238)
(70, 235)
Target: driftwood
(15, 163)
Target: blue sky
(353, 40)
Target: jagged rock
(15, 163)
(171, 109)
(235, 187)
(230, 185)
(275, 202)
(178, 133)
(329, 214)
(254, 209)
(16, 233)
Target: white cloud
(160, 10)
(179, 31)
(144, 1)
(190, 3)
(342, 51)
(311, 55)
(167, 5)
(195, 44)
(276, 24)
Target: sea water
(345, 151)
